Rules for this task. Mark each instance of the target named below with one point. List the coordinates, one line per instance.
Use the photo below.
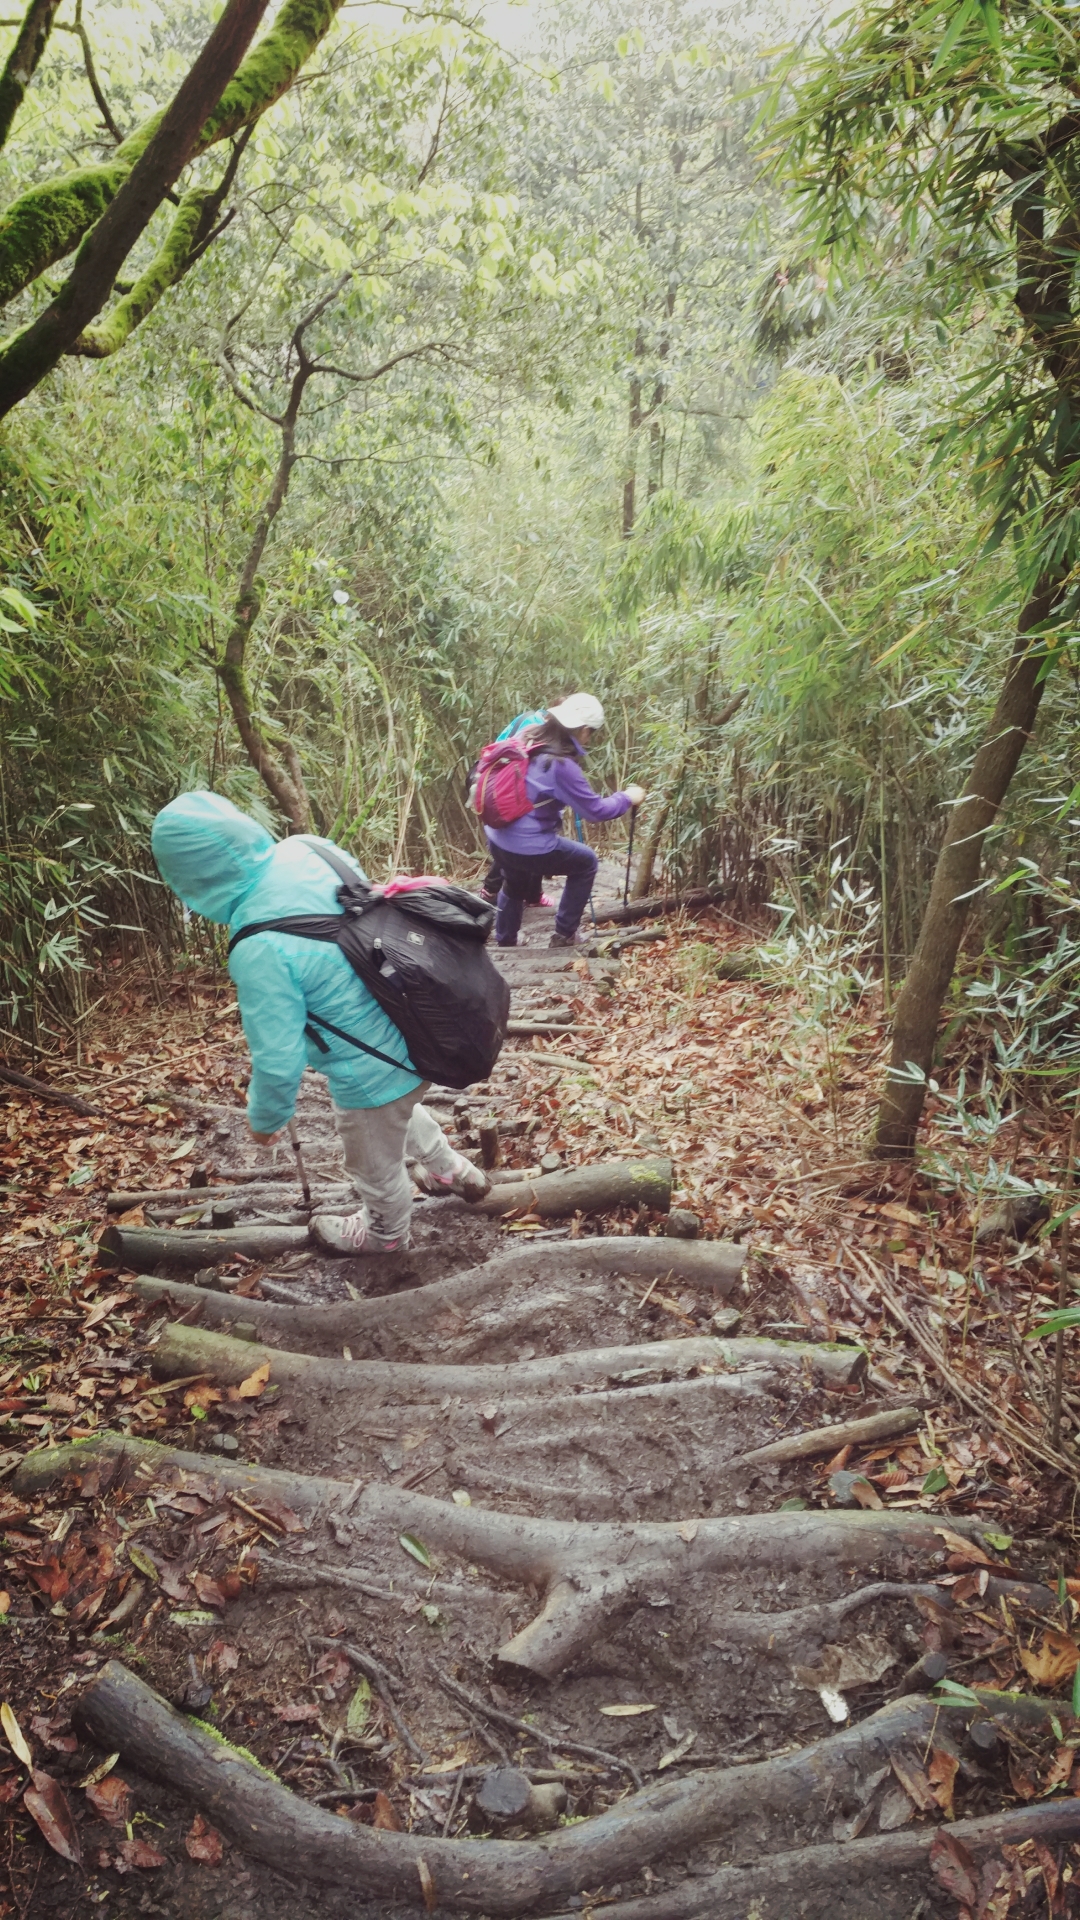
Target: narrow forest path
(563, 1564)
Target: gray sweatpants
(377, 1142)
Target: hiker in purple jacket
(532, 846)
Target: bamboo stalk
(1063, 1276)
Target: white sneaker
(350, 1233)
(469, 1182)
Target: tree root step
(184, 1350)
(507, 1877)
(385, 1323)
(587, 1571)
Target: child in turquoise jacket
(226, 866)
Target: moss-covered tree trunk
(44, 224)
(32, 353)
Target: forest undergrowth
(765, 1123)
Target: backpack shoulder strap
(308, 926)
(341, 867)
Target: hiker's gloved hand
(635, 795)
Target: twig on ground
(973, 1398)
(44, 1091)
(383, 1685)
(550, 1740)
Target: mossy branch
(45, 223)
(169, 266)
(192, 230)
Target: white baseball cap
(580, 710)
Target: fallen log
(248, 1803)
(802, 1446)
(167, 1197)
(611, 1183)
(183, 1350)
(694, 902)
(780, 1887)
(43, 1091)
(387, 1323)
(144, 1248)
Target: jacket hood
(209, 852)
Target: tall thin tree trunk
(630, 483)
(286, 786)
(918, 1009)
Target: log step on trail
(144, 1248)
(610, 1183)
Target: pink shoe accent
(470, 1182)
(349, 1233)
(546, 900)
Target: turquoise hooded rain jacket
(226, 866)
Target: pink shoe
(469, 1182)
(546, 901)
(350, 1233)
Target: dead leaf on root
(967, 1549)
(255, 1383)
(941, 1774)
(864, 1659)
(913, 1779)
(623, 1711)
(47, 1803)
(427, 1885)
(954, 1869)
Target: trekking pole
(629, 857)
(579, 829)
(294, 1137)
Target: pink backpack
(499, 793)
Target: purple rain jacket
(553, 784)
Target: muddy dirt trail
(503, 1576)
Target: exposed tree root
(43, 1090)
(801, 1446)
(184, 1350)
(118, 1456)
(781, 1887)
(505, 1877)
(397, 1324)
(590, 1571)
(587, 1571)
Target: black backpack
(421, 956)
